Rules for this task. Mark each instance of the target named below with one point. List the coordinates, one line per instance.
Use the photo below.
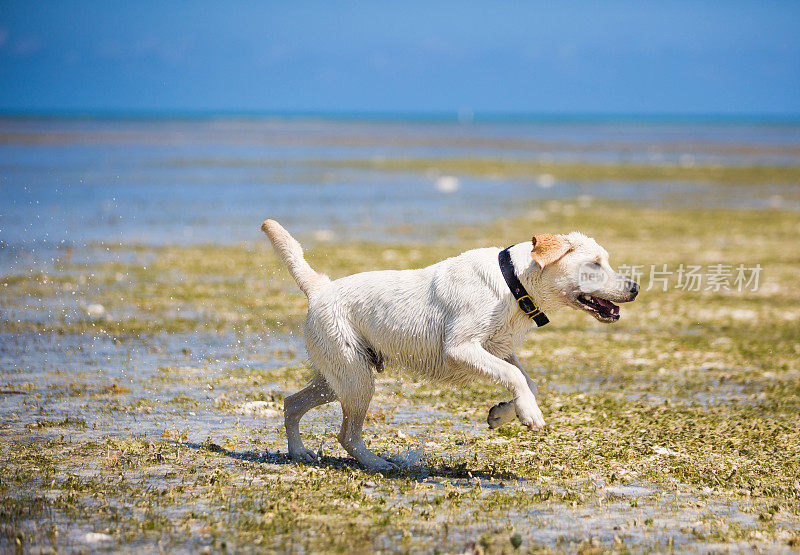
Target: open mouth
(603, 310)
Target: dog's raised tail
(291, 253)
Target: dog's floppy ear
(548, 248)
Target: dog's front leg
(504, 412)
(515, 361)
(474, 356)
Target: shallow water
(76, 181)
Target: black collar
(524, 300)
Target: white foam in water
(259, 408)
(96, 537)
(447, 184)
(629, 491)
(95, 310)
(546, 180)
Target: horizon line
(421, 116)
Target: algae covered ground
(142, 391)
(148, 337)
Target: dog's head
(575, 272)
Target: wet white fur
(454, 321)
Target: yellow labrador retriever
(454, 321)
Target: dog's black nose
(633, 287)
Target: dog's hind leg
(317, 393)
(339, 355)
(355, 396)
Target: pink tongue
(607, 304)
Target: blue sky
(602, 57)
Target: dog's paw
(501, 413)
(304, 455)
(391, 466)
(530, 416)
(382, 465)
(396, 460)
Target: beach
(150, 335)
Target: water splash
(412, 456)
(330, 428)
